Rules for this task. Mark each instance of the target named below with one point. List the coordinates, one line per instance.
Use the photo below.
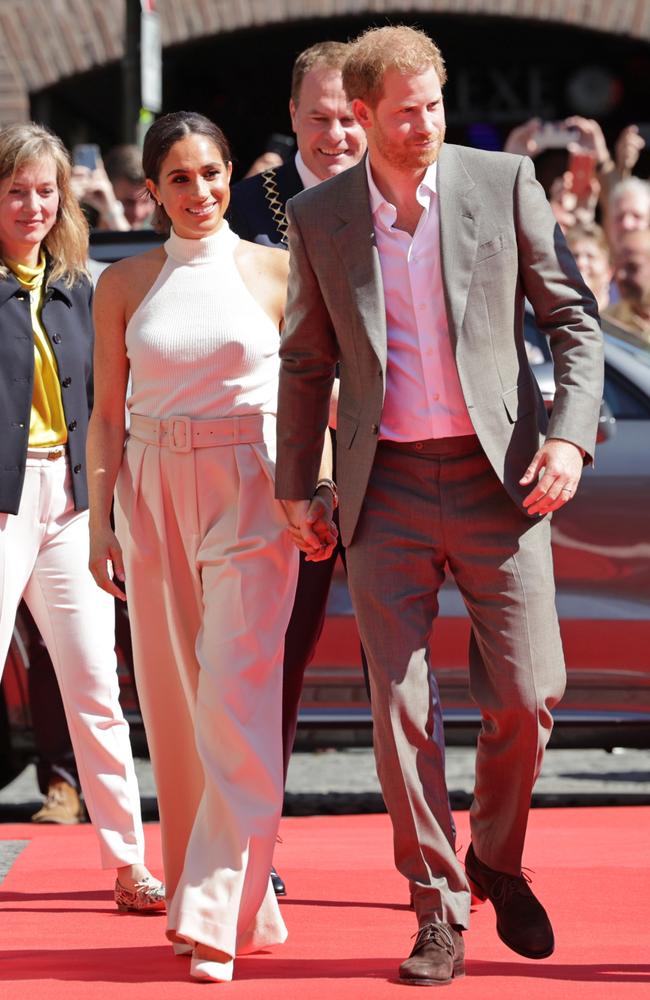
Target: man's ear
(361, 112)
(292, 112)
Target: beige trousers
(210, 575)
(430, 506)
(44, 556)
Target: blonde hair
(379, 49)
(66, 244)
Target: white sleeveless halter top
(199, 345)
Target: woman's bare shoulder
(127, 281)
(131, 269)
(270, 260)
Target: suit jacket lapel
(355, 241)
(459, 212)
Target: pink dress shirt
(423, 398)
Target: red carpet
(349, 926)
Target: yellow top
(47, 427)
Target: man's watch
(331, 486)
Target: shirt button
(436, 396)
(428, 352)
(67, 381)
(418, 446)
(77, 468)
(72, 426)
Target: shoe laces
(434, 934)
(507, 886)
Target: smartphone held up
(582, 167)
(86, 154)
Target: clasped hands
(311, 526)
(557, 465)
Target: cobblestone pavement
(345, 781)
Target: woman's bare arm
(106, 431)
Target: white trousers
(44, 557)
(210, 575)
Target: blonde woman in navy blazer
(46, 340)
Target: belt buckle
(184, 426)
(55, 453)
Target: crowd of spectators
(602, 208)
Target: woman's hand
(105, 551)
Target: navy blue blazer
(67, 320)
(250, 214)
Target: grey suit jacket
(499, 244)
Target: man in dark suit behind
(410, 272)
(328, 137)
(329, 140)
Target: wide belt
(180, 434)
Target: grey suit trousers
(430, 505)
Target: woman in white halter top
(209, 565)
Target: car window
(623, 398)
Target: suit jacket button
(56, 339)
(375, 428)
(72, 426)
(67, 381)
(77, 468)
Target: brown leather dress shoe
(62, 805)
(438, 956)
(522, 921)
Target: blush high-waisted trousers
(210, 576)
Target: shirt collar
(307, 176)
(381, 208)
